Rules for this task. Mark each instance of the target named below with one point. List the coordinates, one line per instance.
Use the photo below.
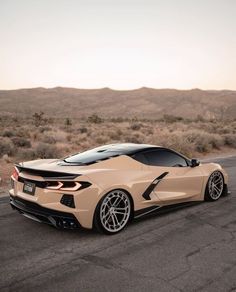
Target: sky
(121, 44)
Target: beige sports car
(108, 186)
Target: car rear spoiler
(46, 174)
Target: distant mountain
(142, 103)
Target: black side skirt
(163, 209)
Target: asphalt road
(189, 249)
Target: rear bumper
(41, 214)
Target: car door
(176, 181)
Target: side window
(162, 157)
(140, 157)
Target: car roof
(106, 152)
(125, 148)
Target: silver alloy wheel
(115, 211)
(215, 185)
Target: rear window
(91, 156)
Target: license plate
(29, 188)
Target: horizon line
(113, 89)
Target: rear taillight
(63, 186)
(15, 174)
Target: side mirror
(195, 162)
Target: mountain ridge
(143, 102)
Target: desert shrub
(117, 120)
(6, 147)
(224, 130)
(85, 145)
(116, 135)
(21, 142)
(177, 142)
(68, 122)
(136, 126)
(119, 132)
(44, 150)
(77, 142)
(6, 158)
(148, 131)
(64, 150)
(230, 140)
(48, 139)
(171, 119)
(203, 141)
(101, 140)
(199, 118)
(26, 154)
(69, 138)
(83, 130)
(35, 136)
(15, 120)
(81, 140)
(23, 132)
(216, 141)
(8, 133)
(68, 129)
(43, 129)
(133, 139)
(203, 146)
(95, 119)
(38, 119)
(58, 135)
(199, 140)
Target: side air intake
(152, 186)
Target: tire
(215, 186)
(113, 212)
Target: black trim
(47, 173)
(163, 209)
(68, 200)
(39, 184)
(145, 211)
(151, 187)
(50, 216)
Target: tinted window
(140, 157)
(91, 156)
(162, 157)
(104, 152)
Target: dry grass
(20, 141)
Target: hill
(142, 103)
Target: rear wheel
(113, 212)
(215, 186)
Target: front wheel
(113, 212)
(215, 186)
